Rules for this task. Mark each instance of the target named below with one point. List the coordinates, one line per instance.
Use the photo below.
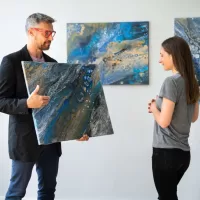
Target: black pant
(168, 167)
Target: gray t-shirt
(177, 133)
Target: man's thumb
(36, 90)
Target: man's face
(42, 35)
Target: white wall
(118, 166)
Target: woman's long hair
(182, 59)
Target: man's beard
(46, 46)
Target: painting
(77, 102)
(119, 49)
(189, 29)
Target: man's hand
(84, 138)
(37, 101)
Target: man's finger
(45, 98)
(36, 90)
(81, 139)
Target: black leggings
(169, 166)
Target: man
(23, 147)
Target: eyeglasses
(46, 33)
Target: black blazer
(22, 140)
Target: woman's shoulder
(174, 79)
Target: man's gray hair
(36, 18)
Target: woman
(173, 110)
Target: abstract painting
(189, 29)
(77, 102)
(119, 49)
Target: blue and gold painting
(189, 30)
(77, 103)
(119, 49)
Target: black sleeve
(9, 104)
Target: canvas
(120, 49)
(77, 102)
(189, 29)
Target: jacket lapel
(25, 54)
